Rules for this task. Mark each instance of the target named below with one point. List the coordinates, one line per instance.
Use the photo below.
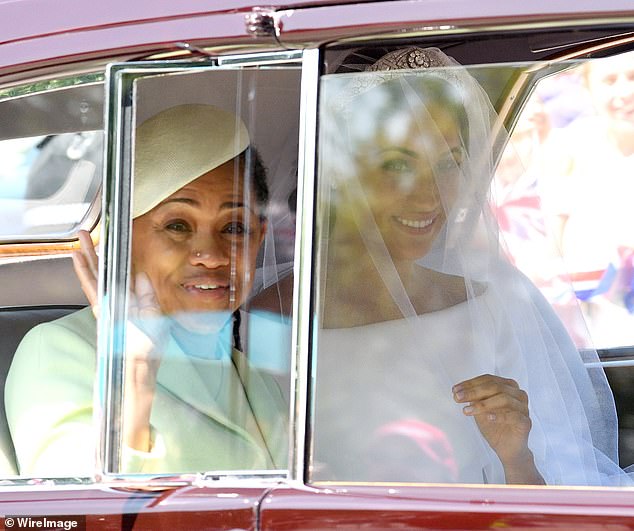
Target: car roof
(18, 22)
(59, 16)
(75, 30)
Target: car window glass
(571, 204)
(207, 356)
(51, 144)
(429, 344)
(562, 198)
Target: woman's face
(611, 84)
(198, 246)
(410, 176)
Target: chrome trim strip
(52, 84)
(470, 29)
(113, 261)
(302, 310)
(610, 363)
(261, 58)
(149, 482)
(201, 479)
(337, 24)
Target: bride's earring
(461, 215)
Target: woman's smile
(416, 225)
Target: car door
(519, 70)
(267, 90)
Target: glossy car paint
(38, 36)
(132, 507)
(72, 30)
(446, 507)
(202, 508)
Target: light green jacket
(207, 414)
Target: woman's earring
(461, 215)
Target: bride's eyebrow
(454, 151)
(398, 149)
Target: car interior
(60, 126)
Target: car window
(562, 198)
(51, 144)
(206, 373)
(436, 360)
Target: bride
(437, 361)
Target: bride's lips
(416, 224)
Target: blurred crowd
(562, 196)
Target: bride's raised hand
(500, 409)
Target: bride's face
(410, 176)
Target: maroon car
(325, 421)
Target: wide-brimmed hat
(180, 144)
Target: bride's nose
(422, 188)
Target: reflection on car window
(569, 199)
(562, 198)
(207, 359)
(207, 382)
(430, 344)
(49, 182)
(51, 144)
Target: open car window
(436, 359)
(200, 308)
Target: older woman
(191, 402)
(437, 361)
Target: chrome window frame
(115, 257)
(521, 90)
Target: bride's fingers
(511, 418)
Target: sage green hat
(180, 144)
